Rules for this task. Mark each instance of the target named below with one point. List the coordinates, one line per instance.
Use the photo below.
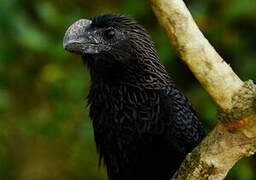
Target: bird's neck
(142, 74)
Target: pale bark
(226, 144)
(194, 49)
(235, 136)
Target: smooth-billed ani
(143, 125)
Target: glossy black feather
(143, 125)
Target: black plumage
(143, 125)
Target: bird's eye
(110, 33)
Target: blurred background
(45, 132)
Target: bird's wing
(183, 124)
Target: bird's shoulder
(182, 122)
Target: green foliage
(45, 132)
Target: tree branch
(209, 68)
(225, 145)
(235, 136)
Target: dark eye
(110, 33)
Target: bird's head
(111, 38)
(116, 46)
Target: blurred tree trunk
(235, 135)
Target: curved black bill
(79, 39)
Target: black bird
(143, 125)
